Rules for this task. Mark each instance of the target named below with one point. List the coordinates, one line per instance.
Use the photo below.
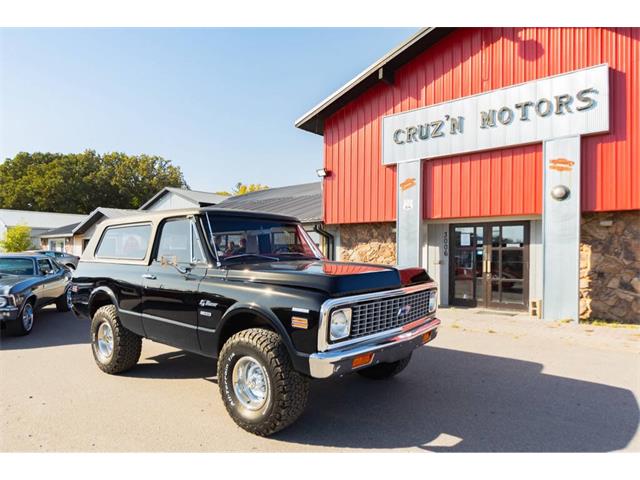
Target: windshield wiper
(244, 255)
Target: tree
(242, 189)
(17, 239)
(81, 182)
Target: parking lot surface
(488, 383)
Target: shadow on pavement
(175, 364)
(465, 402)
(50, 329)
(446, 400)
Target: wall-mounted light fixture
(323, 172)
(560, 192)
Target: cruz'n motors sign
(574, 103)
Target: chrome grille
(379, 315)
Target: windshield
(16, 266)
(242, 239)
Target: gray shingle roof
(303, 201)
(38, 220)
(65, 231)
(101, 212)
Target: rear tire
(63, 304)
(260, 389)
(115, 349)
(382, 371)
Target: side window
(175, 240)
(128, 242)
(44, 266)
(179, 238)
(198, 251)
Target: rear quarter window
(126, 242)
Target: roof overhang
(56, 235)
(87, 222)
(381, 71)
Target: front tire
(115, 349)
(260, 389)
(382, 371)
(24, 324)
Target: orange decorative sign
(408, 183)
(561, 164)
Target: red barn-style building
(503, 160)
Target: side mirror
(173, 261)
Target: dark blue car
(28, 283)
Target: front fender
(239, 311)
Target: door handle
(149, 276)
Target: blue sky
(220, 103)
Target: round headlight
(3, 302)
(340, 326)
(433, 302)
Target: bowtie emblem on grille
(404, 310)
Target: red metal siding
(499, 182)
(471, 61)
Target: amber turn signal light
(362, 360)
(426, 337)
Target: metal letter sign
(574, 103)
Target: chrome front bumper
(8, 313)
(385, 350)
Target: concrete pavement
(487, 383)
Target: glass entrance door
(489, 265)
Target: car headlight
(4, 302)
(433, 302)
(340, 325)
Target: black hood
(334, 278)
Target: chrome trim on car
(391, 348)
(327, 306)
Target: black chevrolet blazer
(253, 291)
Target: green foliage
(80, 182)
(225, 193)
(17, 239)
(241, 188)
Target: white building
(39, 222)
(170, 198)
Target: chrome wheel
(250, 383)
(104, 342)
(68, 297)
(27, 317)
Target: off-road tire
(61, 302)
(288, 389)
(126, 344)
(383, 371)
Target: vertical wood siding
(501, 182)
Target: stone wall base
(368, 243)
(609, 261)
(610, 266)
